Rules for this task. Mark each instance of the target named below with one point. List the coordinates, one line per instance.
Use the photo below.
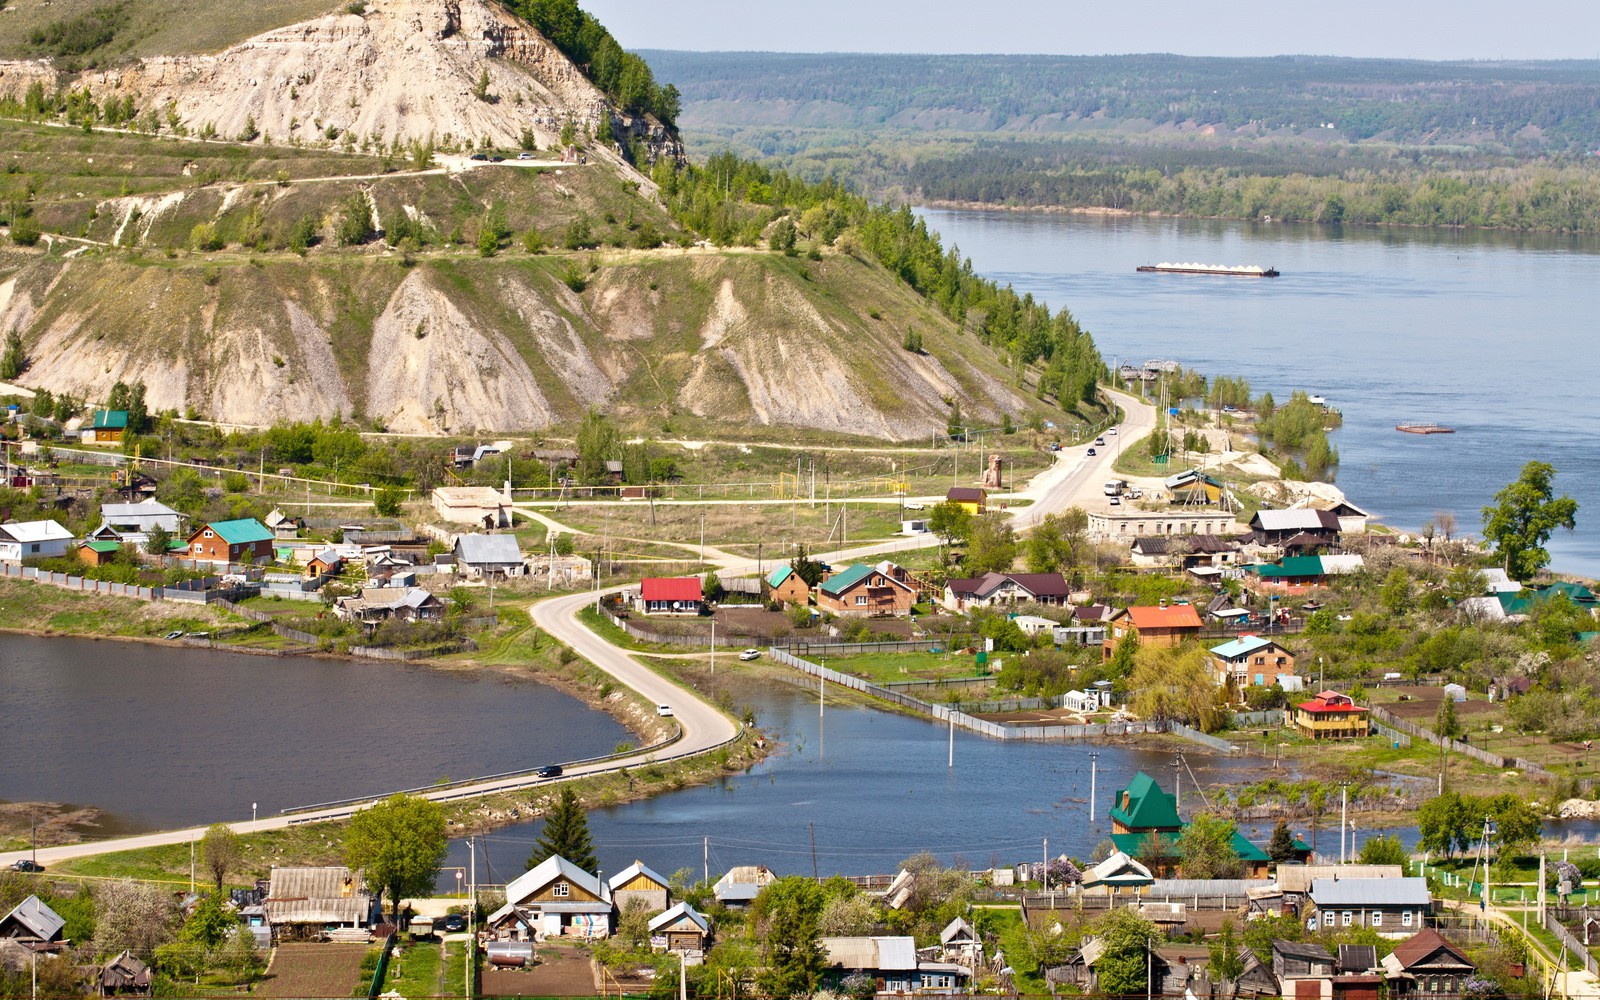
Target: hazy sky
(1416, 29)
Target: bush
(24, 232)
(205, 238)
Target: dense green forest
(1524, 106)
(626, 78)
(734, 201)
(1560, 195)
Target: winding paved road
(1074, 479)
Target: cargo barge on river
(1225, 270)
(1416, 428)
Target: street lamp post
(252, 813)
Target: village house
(1183, 551)
(98, 553)
(1332, 716)
(125, 975)
(993, 589)
(106, 427)
(959, 943)
(740, 885)
(786, 587)
(971, 499)
(1300, 960)
(32, 922)
(1120, 872)
(1426, 966)
(1393, 907)
(867, 591)
(891, 963)
(488, 556)
(21, 540)
(1352, 519)
(1162, 627)
(285, 527)
(478, 506)
(1274, 527)
(681, 929)
(133, 522)
(241, 540)
(380, 604)
(1292, 573)
(311, 902)
(639, 884)
(326, 562)
(1144, 807)
(676, 595)
(1250, 661)
(555, 898)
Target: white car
(1111, 430)
(750, 654)
(524, 156)
(663, 709)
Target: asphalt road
(1074, 479)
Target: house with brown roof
(993, 589)
(1426, 966)
(1162, 626)
(969, 498)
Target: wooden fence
(1575, 946)
(1536, 771)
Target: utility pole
(1094, 764)
(702, 537)
(1344, 809)
(705, 846)
(472, 912)
(812, 829)
(713, 645)
(1177, 782)
(1046, 877)
(191, 868)
(952, 763)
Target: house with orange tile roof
(1162, 626)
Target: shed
(125, 976)
(681, 928)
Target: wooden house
(555, 898)
(867, 591)
(891, 963)
(959, 943)
(1118, 873)
(231, 541)
(971, 499)
(488, 556)
(32, 922)
(1332, 716)
(308, 902)
(739, 886)
(1426, 966)
(1255, 980)
(1274, 527)
(1300, 960)
(681, 929)
(1162, 626)
(107, 427)
(98, 553)
(1393, 907)
(786, 587)
(1144, 807)
(638, 884)
(324, 563)
(125, 976)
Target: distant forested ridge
(1522, 106)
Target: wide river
(1484, 332)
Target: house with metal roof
(969, 498)
(1426, 965)
(1250, 661)
(1273, 527)
(106, 427)
(1162, 626)
(681, 929)
(31, 921)
(1143, 807)
(1393, 907)
(241, 540)
(555, 898)
(133, 522)
(21, 540)
(640, 884)
(787, 587)
(484, 556)
(994, 589)
(1119, 872)
(671, 595)
(1332, 716)
(891, 963)
(1194, 487)
(308, 901)
(380, 604)
(739, 886)
(863, 590)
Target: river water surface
(1489, 333)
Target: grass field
(886, 667)
(160, 27)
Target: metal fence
(697, 641)
(1392, 735)
(802, 648)
(1536, 771)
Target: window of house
(861, 598)
(1433, 984)
(1377, 918)
(1405, 919)
(1345, 918)
(208, 534)
(562, 889)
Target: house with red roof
(1162, 626)
(1332, 716)
(671, 595)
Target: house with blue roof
(1250, 661)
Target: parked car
(481, 157)
(663, 709)
(1134, 494)
(750, 654)
(1116, 501)
(26, 865)
(549, 771)
(524, 156)
(454, 923)
(178, 634)
(497, 159)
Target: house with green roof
(1145, 824)
(787, 587)
(107, 427)
(98, 552)
(1524, 601)
(241, 540)
(868, 591)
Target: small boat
(1225, 270)
(1420, 428)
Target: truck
(1114, 487)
